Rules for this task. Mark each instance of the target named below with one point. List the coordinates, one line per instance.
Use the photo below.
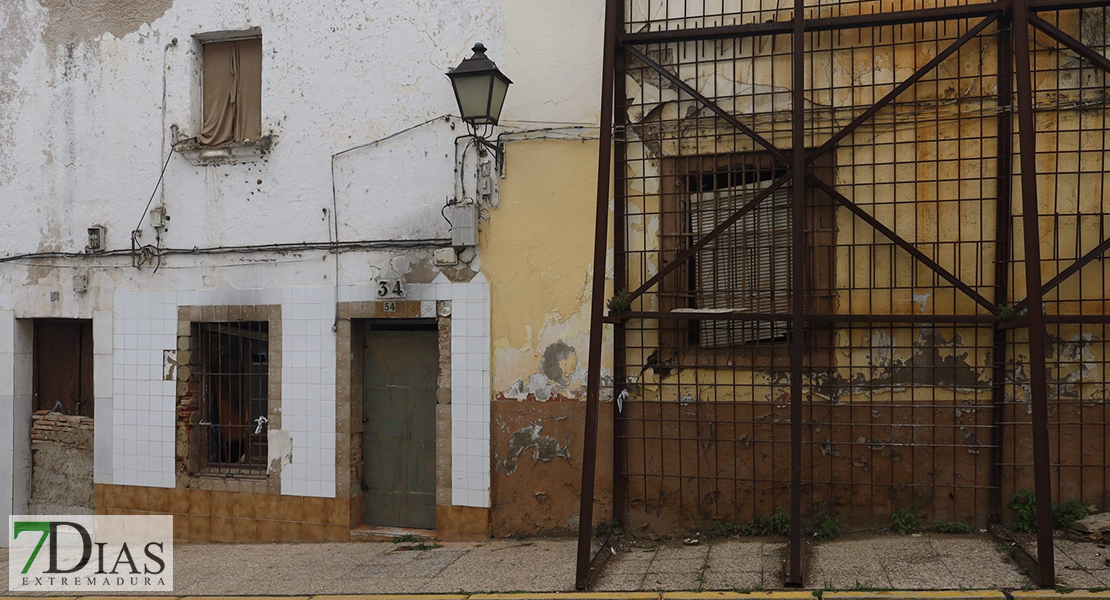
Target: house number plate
(390, 288)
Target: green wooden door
(400, 377)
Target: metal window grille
(234, 371)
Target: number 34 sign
(391, 288)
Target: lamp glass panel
(473, 95)
(497, 98)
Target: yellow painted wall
(537, 251)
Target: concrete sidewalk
(793, 595)
(871, 562)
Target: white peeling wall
(89, 93)
(91, 118)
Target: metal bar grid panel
(685, 15)
(899, 414)
(894, 415)
(920, 363)
(1069, 115)
(234, 408)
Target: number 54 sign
(391, 288)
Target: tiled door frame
(353, 317)
(463, 440)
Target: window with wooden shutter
(748, 267)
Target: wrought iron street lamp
(479, 88)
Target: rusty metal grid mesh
(642, 16)
(914, 349)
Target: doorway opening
(62, 418)
(400, 385)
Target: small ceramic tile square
(478, 498)
(427, 309)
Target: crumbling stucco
(545, 448)
(75, 22)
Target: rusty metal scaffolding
(837, 227)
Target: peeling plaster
(90, 19)
(544, 448)
(279, 449)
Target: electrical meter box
(464, 224)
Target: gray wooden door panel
(400, 378)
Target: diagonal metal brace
(1073, 44)
(902, 243)
(711, 105)
(1083, 261)
(692, 250)
(905, 85)
(810, 156)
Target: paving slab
(547, 565)
(914, 562)
(845, 564)
(1079, 565)
(730, 564)
(539, 565)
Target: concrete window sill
(226, 154)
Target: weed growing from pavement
(1063, 589)
(701, 573)
(951, 527)
(905, 521)
(866, 587)
(608, 527)
(421, 546)
(826, 525)
(778, 524)
(1024, 504)
(402, 539)
(1063, 515)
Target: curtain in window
(232, 92)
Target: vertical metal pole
(1027, 149)
(620, 274)
(601, 237)
(794, 574)
(1003, 240)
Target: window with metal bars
(748, 267)
(234, 373)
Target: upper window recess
(232, 90)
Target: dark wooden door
(63, 366)
(400, 377)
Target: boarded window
(232, 85)
(234, 371)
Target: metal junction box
(464, 224)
